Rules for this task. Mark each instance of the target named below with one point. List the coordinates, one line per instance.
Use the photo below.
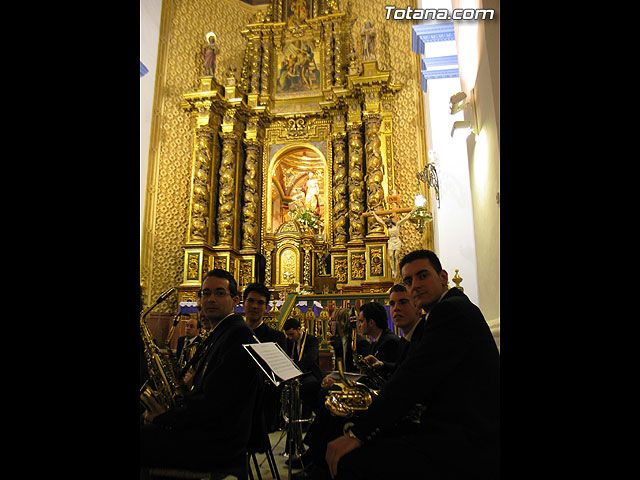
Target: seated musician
(255, 299)
(325, 426)
(406, 317)
(304, 348)
(342, 344)
(439, 410)
(372, 321)
(188, 342)
(212, 424)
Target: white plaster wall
(479, 70)
(455, 244)
(149, 32)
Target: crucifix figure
(394, 244)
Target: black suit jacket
(404, 347)
(453, 370)
(225, 387)
(181, 341)
(362, 345)
(387, 348)
(265, 333)
(310, 361)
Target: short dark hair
(376, 312)
(419, 255)
(398, 287)
(259, 288)
(220, 273)
(291, 323)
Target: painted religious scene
(298, 71)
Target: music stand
(280, 368)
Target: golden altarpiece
(289, 152)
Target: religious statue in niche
(298, 70)
(209, 51)
(311, 190)
(323, 260)
(368, 36)
(394, 244)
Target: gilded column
(266, 63)
(328, 55)
(268, 253)
(199, 221)
(251, 197)
(356, 183)
(340, 197)
(306, 264)
(255, 57)
(338, 60)
(226, 188)
(375, 171)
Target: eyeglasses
(218, 293)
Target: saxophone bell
(161, 371)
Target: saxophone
(161, 374)
(348, 396)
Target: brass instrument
(375, 379)
(161, 374)
(347, 396)
(187, 355)
(173, 361)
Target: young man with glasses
(212, 425)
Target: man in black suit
(255, 299)
(408, 318)
(188, 342)
(304, 350)
(213, 423)
(453, 373)
(372, 321)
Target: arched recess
(292, 169)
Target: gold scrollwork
(220, 262)
(246, 272)
(357, 266)
(375, 257)
(340, 268)
(193, 262)
(297, 127)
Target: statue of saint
(323, 256)
(210, 50)
(368, 36)
(312, 194)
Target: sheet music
(276, 359)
